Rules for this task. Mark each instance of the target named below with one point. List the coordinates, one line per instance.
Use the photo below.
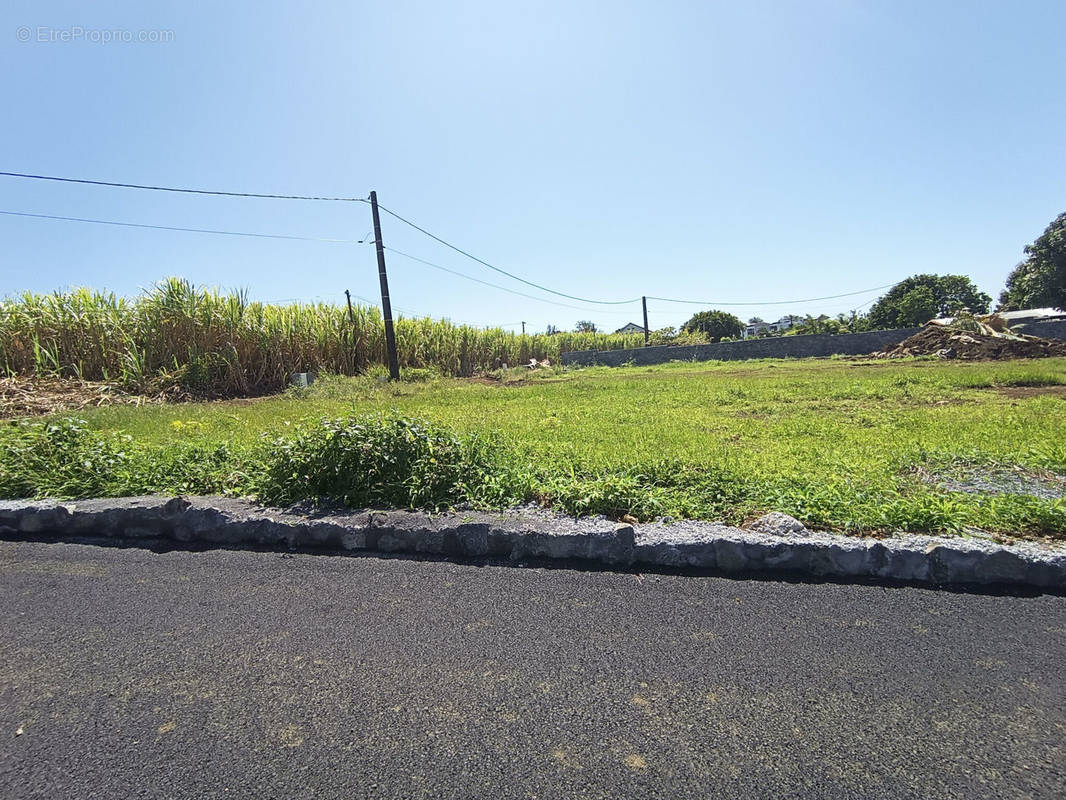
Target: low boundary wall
(806, 346)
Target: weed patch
(375, 461)
(67, 459)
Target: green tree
(1040, 279)
(916, 307)
(715, 325)
(585, 326)
(905, 306)
(854, 322)
(820, 324)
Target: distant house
(1032, 315)
(783, 324)
(631, 327)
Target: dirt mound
(948, 342)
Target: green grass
(839, 444)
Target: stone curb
(519, 535)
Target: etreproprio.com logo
(76, 33)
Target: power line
(396, 216)
(413, 315)
(503, 271)
(496, 285)
(377, 304)
(187, 230)
(183, 191)
(615, 302)
(771, 302)
(421, 261)
(292, 237)
(863, 305)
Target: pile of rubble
(974, 338)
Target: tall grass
(219, 344)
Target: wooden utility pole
(386, 306)
(351, 329)
(351, 314)
(523, 327)
(644, 302)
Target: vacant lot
(851, 445)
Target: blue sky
(746, 151)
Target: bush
(375, 461)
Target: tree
(551, 330)
(715, 325)
(916, 307)
(905, 305)
(1040, 279)
(854, 321)
(819, 324)
(665, 335)
(585, 326)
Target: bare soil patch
(1020, 392)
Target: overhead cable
(503, 271)
(497, 286)
(770, 302)
(187, 230)
(183, 190)
(402, 219)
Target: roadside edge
(529, 535)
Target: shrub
(374, 461)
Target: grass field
(852, 445)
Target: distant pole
(644, 302)
(351, 314)
(351, 332)
(386, 306)
(523, 327)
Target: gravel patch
(1000, 480)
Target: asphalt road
(128, 673)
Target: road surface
(127, 673)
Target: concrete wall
(819, 344)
